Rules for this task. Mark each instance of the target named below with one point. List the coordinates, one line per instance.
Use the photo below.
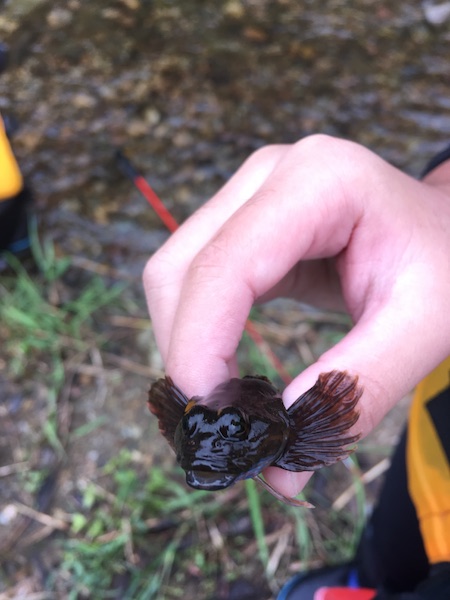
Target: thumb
(381, 352)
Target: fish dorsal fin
(320, 420)
(168, 403)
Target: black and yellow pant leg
(428, 461)
(14, 199)
(406, 543)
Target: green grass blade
(256, 516)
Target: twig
(270, 538)
(153, 525)
(129, 551)
(16, 593)
(18, 467)
(305, 313)
(133, 367)
(101, 269)
(91, 370)
(215, 535)
(280, 333)
(42, 518)
(102, 387)
(35, 537)
(305, 352)
(302, 565)
(130, 322)
(279, 550)
(111, 498)
(370, 475)
(265, 349)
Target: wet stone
(59, 17)
(83, 100)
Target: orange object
(344, 594)
(10, 177)
(428, 464)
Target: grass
(257, 518)
(111, 536)
(132, 528)
(41, 326)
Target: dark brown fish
(242, 427)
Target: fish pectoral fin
(291, 501)
(320, 420)
(168, 403)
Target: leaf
(78, 522)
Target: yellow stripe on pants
(10, 177)
(428, 466)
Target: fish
(242, 427)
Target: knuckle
(320, 145)
(267, 154)
(328, 150)
(156, 269)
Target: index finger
(165, 271)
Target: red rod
(156, 203)
(261, 343)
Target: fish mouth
(209, 480)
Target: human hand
(327, 222)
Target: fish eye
(232, 426)
(190, 424)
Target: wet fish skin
(242, 426)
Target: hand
(327, 222)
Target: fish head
(218, 447)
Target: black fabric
(435, 587)
(14, 219)
(439, 411)
(391, 554)
(436, 161)
(3, 57)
